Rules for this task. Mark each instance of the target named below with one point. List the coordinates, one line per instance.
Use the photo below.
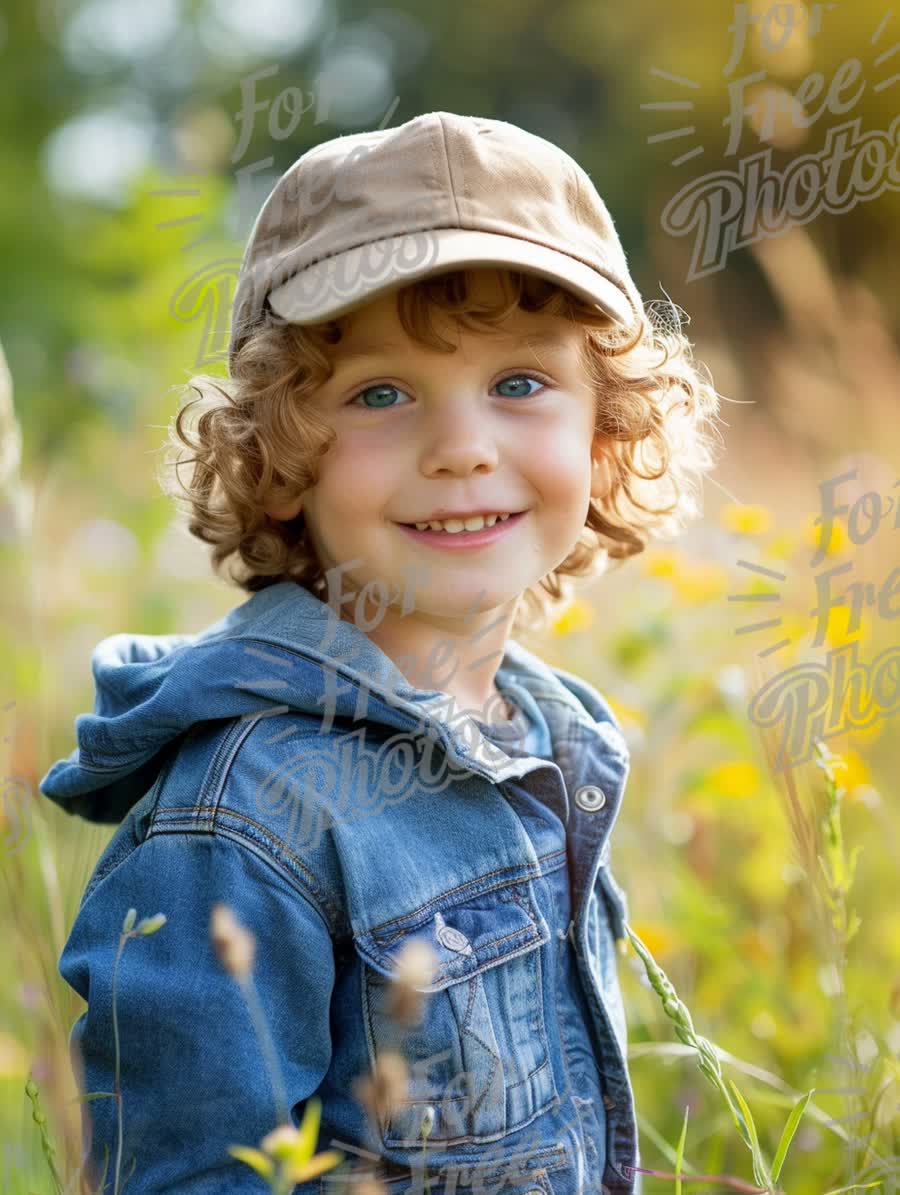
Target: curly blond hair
(655, 405)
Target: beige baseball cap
(367, 213)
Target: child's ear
(284, 511)
(601, 466)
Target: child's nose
(459, 437)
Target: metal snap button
(453, 939)
(534, 1191)
(450, 937)
(590, 798)
(426, 1123)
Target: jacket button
(453, 939)
(450, 937)
(590, 798)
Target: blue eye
(519, 379)
(379, 389)
(382, 391)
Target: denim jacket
(280, 763)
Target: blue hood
(281, 649)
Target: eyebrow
(547, 341)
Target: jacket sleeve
(193, 1076)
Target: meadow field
(752, 660)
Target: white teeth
(454, 526)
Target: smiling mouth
(426, 525)
(480, 537)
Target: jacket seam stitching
(531, 874)
(220, 765)
(228, 831)
(485, 945)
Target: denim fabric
(280, 763)
(577, 1042)
(527, 731)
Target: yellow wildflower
(661, 564)
(841, 628)
(627, 713)
(745, 519)
(702, 582)
(293, 1148)
(815, 533)
(781, 546)
(734, 778)
(658, 939)
(794, 627)
(855, 775)
(578, 616)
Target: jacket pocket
(479, 1058)
(519, 1173)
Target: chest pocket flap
(467, 937)
(479, 1058)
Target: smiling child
(446, 402)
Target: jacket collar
(285, 649)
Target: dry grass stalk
(234, 945)
(416, 967)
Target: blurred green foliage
(110, 304)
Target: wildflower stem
(265, 1044)
(723, 1180)
(840, 928)
(123, 938)
(707, 1057)
(427, 1125)
(37, 1115)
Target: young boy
(446, 398)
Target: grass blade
(679, 1151)
(788, 1135)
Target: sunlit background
(138, 143)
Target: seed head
(370, 1186)
(385, 1089)
(280, 1141)
(149, 925)
(234, 945)
(415, 968)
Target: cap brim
(337, 284)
